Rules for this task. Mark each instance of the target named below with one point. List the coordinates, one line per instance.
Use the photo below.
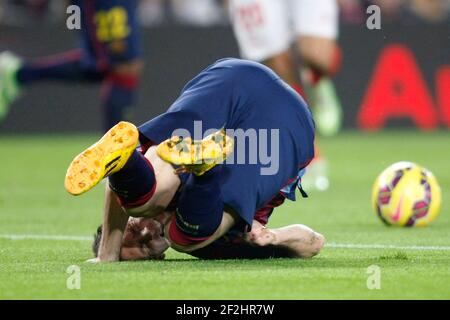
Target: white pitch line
(331, 245)
(384, 246)
(44, 237)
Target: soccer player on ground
(144, 239)
(232, 94)
(276, 32)
(108, 53)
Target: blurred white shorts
(265, 28)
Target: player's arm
(301, 241)
(114, 223)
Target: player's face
(143, 240)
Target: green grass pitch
(34, 202)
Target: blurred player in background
(214, 196)
(275, 32)
(109, 53)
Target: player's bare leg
(321, 59)
(167, 183)
(285, 66)
(317, 52)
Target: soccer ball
(406, 194)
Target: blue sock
(200, 206)
(135, 183)
(115, 103)
(63, 67)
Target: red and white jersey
(265, 28)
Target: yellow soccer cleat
(103, 158)
(194, 156)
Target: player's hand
(260, 235)
(99, 260)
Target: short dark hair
(96, 243)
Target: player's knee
(284, 65)
(319, 53)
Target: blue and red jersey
(109, 32)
